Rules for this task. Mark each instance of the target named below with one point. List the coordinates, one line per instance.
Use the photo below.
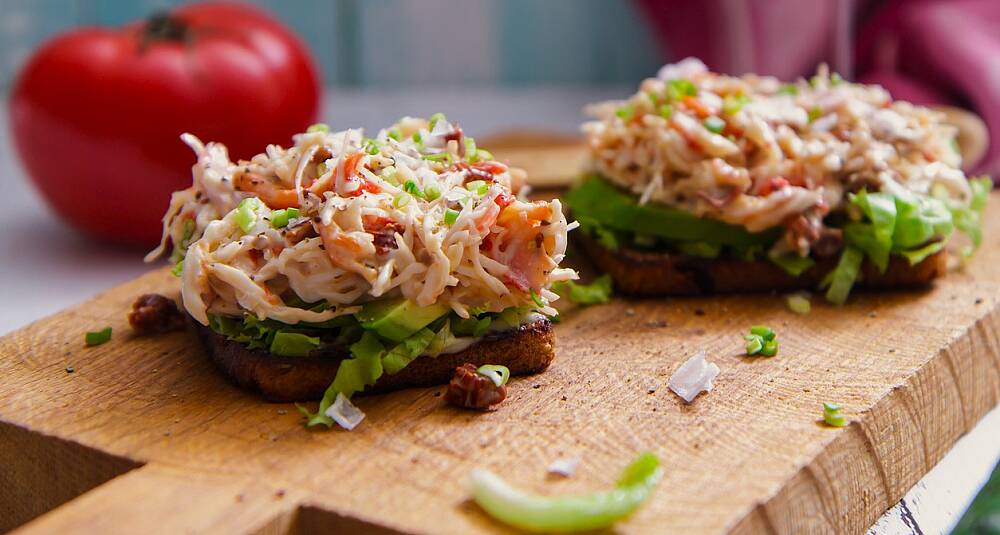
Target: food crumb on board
(873, 314)
(239, 497)
(280, 493)
(979, 300)
(70, 369)
(630, 312)
(699, 312)
(651, 391)
(282, 412)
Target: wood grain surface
(180, 450)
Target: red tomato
(96, 113)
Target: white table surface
(45, 266)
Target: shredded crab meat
(407, 213)
(780, 152)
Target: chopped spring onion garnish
(395, 134)
(789, 89)
(246, 213)
(680, 88)
(836, 79)
(321, 169)
(401, 200)
(450, 216)
(734, 103)
(318, 127)
(177, 257)
(470, 149)
(761, 341)
(494, 372)
(666, 111)
(418, 140)
(479, 187)
(484, 155)
(434, 120)
(371, 146)
(440, 157)
(411, 187)
(432, 192)
(537, 299)
(96, 338)
(815, 113)
(626, 112)
(799, 303)
(714, 124)
(832, 415)
(567, 513)
(389, 175)
(280, 218)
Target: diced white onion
(693, 377)
(345, 413)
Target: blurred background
(496, 66)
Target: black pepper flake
(651, 391)
(699, 312)
(979, 300)
(437, 394)
(564, 398)
(536, 387)
(70, 369)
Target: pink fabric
(925, 51)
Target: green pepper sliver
(602, 202)
(567, 513)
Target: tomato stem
(162, 26)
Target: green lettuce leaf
(289, 344)
(875, 238)
(916, 256)
(919, 220)
(598, 291)
(407, 350)
(842, 278)
(793, 264)
(968, 218)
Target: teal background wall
(388, 43)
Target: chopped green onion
(734, 103)
(754, 344)
(798, 304)
(401, 200)
(434, 120)
(626, 112)
(484, 155)
(954, 145)
(479, 187)
(763, 331)
(762, 340)
(680, 88)
(321, 169)
(419, 140)
(372, 146)
(714, 124)
(445, 157)
(567, 513)
(789, 89)
(246, 213)
(280, 218)
(652, 97)
(450, 216)
(178, 268)
(96, 338)
(537, 299)
(411, 187)
(815, 113)
(389, 175)
(835, 79)
(494, 372)
(432, 192)
(470, 149)
(318, 127)
(666, 111)
(395, 134)
(832, 415)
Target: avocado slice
(597, 199)
(398, 319)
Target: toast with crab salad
(346, 264)
(703, 183)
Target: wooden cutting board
(145, 437)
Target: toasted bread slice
(644, 273)
(526, 350)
